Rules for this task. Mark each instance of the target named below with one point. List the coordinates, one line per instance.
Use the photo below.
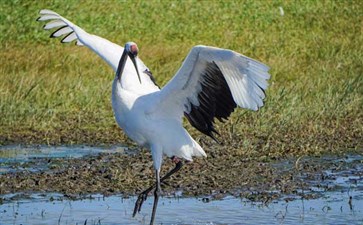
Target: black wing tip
(152, 78)
(211, 135)
(215, 100)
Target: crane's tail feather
(65, 27)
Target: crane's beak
(122, 63)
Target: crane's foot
(140, 200)
(143, 195)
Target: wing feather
(108, 51)
(47, 17)
(61, 31)
(210, 84)
(69, 38)
(54, 24)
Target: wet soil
(249, 164)
(224, 172)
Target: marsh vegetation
(60, 94)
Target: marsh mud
(119, 170)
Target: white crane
(210, 84)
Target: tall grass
(57, 93)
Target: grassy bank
(60, 94)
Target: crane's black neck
(121, 65)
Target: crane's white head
(131, 50)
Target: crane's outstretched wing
(210, 84)
(107, 50)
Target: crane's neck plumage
(129, 80)
(121, 66)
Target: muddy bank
(331, 136)
(223, 172)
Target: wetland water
(336, 196)
(333, 208)
(34, 158)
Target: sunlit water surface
(334, 208)
(16, 158)
(342, 206)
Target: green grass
(54, 93)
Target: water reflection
(16, 158)
(333, 208)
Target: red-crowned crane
(210, 84)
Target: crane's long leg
(156, 196)
(143, 195)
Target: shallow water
(334, 208)
(33, 158)
(339, 197)
(344, 173)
